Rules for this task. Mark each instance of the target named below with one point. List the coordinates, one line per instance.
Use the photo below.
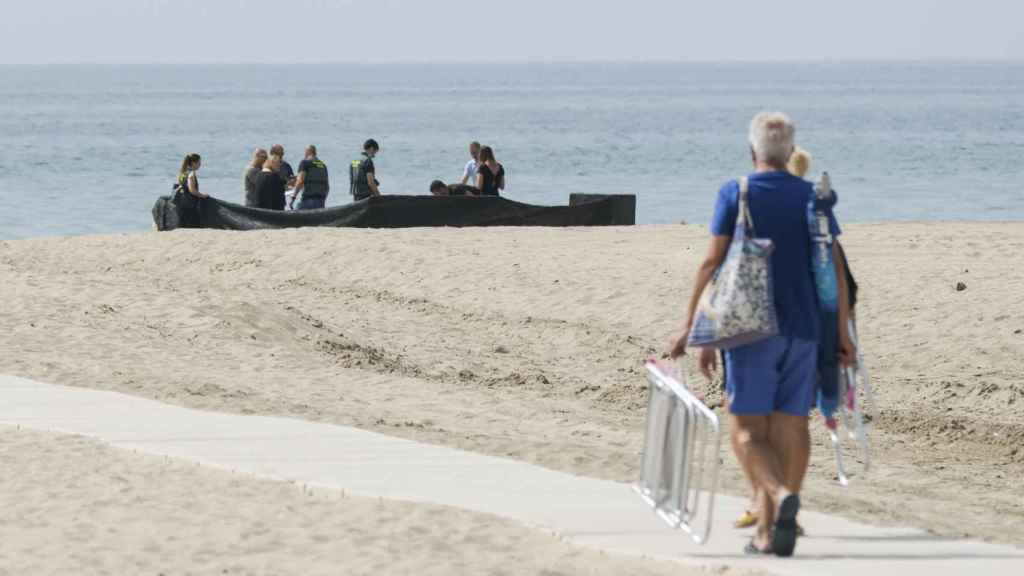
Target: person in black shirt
(362, 173)
(490, 175)
(270, 186)
(312, 182)
(439, 188)
(286, 172)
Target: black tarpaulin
(406, 212)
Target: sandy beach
(74, 506)
(525, 343)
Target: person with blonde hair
(770, 384)
(259, 157)
(799, 162)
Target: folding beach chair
(856, 400)
(679, 468)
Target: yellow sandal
(747, 520)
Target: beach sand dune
(529, 343)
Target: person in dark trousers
(490, 175)
(187, 195)
(270, 186)
(362, 173)
(312, 182)
(439, 188)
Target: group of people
(270, 182)
(771, 384)
(483, 176)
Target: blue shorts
(777, 374)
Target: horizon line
(510, 61)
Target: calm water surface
(87, 149)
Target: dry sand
(73, 506)
(528, 343)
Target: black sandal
(785, 533)
(751, 549)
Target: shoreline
(689, 225)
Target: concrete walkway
(594, 513)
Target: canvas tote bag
(738, 305)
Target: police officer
(362, 173)
(312, 182)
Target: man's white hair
(771, 137)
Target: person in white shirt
(469, 174)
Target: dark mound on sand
(408, 212)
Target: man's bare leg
(765, 469)
(765, 518)
(790, 439)
(755, 500)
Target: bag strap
(744, 208)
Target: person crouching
(439, 188)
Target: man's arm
(716, 253)
(371, 179)
(300, 183)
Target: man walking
(770, 383)
(312, 182)
(363, 174)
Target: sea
(87, 149)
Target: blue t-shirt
(778, 206)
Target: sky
(293, 31)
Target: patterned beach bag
(738, 306)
